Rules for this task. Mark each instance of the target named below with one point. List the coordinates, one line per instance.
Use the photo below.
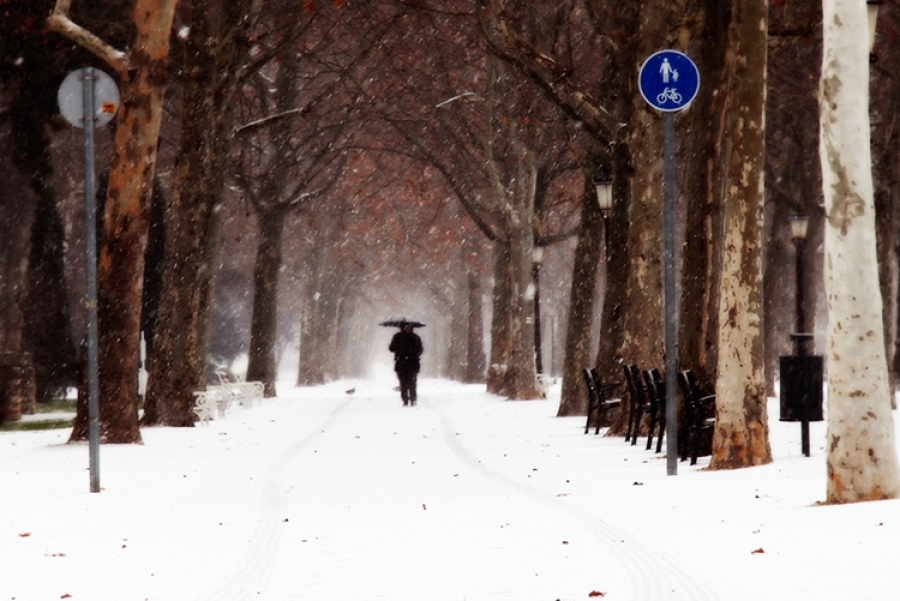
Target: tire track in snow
(245, 579)
(654, 575)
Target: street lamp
(537, 258)
(801, 375)
(799, 226)
(872, 6)
(603, 189)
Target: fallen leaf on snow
(756, 551)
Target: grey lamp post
(537, 259)
(799, 226)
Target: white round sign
(71, 100)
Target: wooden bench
(655, 389)
(598, 404)
(638, 402)
(699, 414)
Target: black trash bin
(801, 381)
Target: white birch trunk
(862, 458)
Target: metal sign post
(92, 93)
(669, 81)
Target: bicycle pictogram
(669, 80)
(669, 94)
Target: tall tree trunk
(46, 322)
(862, 455)
(120, 270)
(475, 360)
(14, 252)
(455, 363)
(741, 435)
(310, 370)
(612, 326)
(642, 342)
(887, 224)
(778, 283)
(522, 374)
(501, 299)
(698, 317)
(573, 398)
(48, 328)
(321, 308)
(261, 366)
(143, 75)
(179, 360)
(154, 264)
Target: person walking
(407, 348)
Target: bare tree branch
(59, 22)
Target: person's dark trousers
(408, 386)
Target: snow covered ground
(322, 494)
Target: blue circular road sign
(669, 80)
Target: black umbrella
(399, 322)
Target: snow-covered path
(364, 507)
(321, 494)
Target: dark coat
(407, 348)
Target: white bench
(245, 393)
(204, 406)
(217, 398)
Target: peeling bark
(862, 459)
(741, 435)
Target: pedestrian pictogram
(669, 80)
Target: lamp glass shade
(603, 189)
(799, 224)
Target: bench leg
(590, 409)
(653, 422)
(695, 444)
(636, 426)
(662, 430)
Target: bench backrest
(635, 386)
